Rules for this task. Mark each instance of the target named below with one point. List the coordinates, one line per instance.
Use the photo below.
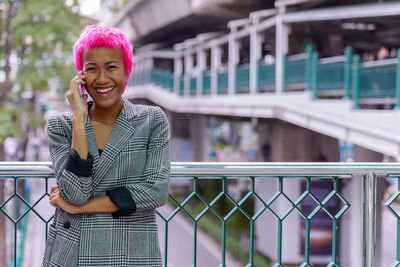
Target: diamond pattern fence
(225, 204)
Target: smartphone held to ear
(83, 90)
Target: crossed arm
(94, 205)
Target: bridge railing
(338, 76)
(227, 173)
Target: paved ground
(388, 248)
(180, 244)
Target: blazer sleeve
(152, 192)
(74, 185)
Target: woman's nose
(101, 77)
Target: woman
(111, 163)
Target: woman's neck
(106, 116)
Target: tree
(36, 39)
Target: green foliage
(8, 122)
(44, 34)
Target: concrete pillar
(188, 71)
(233, 60)
(189, 137)
(149, 62)
(201, 67)
(198, 134)
(280, 142)
(215, 64)
(255, 56)
(178, 70)
(180, 136)
(141, 69)
(281, 48)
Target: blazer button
(67, 225)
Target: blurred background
(240, 81)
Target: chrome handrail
(235, 168)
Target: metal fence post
(348, 52)
(258, 75)
(284, 72)
(356, 81)
(314, 80)
(235, 88)
(369, 220)
(308, 65)
(398, 81)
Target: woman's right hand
(76, 102)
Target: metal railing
(339, 76)
(252, 173)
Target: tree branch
(5, 88)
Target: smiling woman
(111, 162)
(105, 79)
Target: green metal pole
(202, 82)
(308, 65)
(195, 245)
(315, 75)
(171, 81)
(235, 90)
(279, 251)
(347, 72)
(223, 263)
(279, 234)
(251, 253)
(258, 64)
(356, 81)
(216, 82)
(334, 229)
(218, 77)
(284, 72)
(398, 81)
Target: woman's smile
(104, 91)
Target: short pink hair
(95, 36)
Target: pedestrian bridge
(378, 130)
(200, 203)
(346, 95)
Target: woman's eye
(89, 69)
(111, 67)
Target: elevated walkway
(378, 130)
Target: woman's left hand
(57, 200)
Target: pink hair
(95, 36)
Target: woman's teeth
(105, 90)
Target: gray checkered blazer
(136, 157)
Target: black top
(120, 196)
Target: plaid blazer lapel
(91, 142)
(120, 135)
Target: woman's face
(104, 75)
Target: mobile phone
(83, 90)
